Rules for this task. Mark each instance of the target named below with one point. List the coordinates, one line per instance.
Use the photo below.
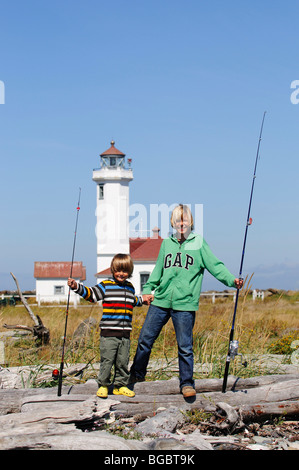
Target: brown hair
(122, 262)
(178, 214)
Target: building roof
(104, 273)
(142, 249)
(147, 250)
(59, 270)
(113, 151)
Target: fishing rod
(233, 344)
(68, 300)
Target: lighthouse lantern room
(112, 207)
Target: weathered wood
(39, 330)
(67, 437)
(142, 404)
(39, 419)
(18, 327)
(171, 386)
(232, 419)
(27, 377)
(253, 382)
(151, 396)
(263, 411)
(54, 423)
(24, 301)
(11, 399)
(53, 426)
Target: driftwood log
(255, 398)
(39, 331)
(39, 419)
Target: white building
(51, 280)
(112, 179)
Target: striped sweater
(118, 301)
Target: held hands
(72, 283)
(239, 283)
(147, 299)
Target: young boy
(176, 281)
(118, 296)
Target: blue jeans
(183, 323)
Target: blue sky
(181, 87)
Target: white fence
(55, 300)
(218, 294)
(258, 294)
(75, 299)
(255, 295)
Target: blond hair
(179, 212)
(122, 262)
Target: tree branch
(25, 303)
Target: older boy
(176, 281)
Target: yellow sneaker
(124, 391)
(102, 392)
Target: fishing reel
(233, 351)
(55, 374)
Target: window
(143, 279)
(112, 161)
(58, 290)
(101, 191)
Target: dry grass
(261, 327)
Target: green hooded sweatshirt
(178, 274)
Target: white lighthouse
(112, 207)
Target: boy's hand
(239, 283)
(72, 283)
(147, 299)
